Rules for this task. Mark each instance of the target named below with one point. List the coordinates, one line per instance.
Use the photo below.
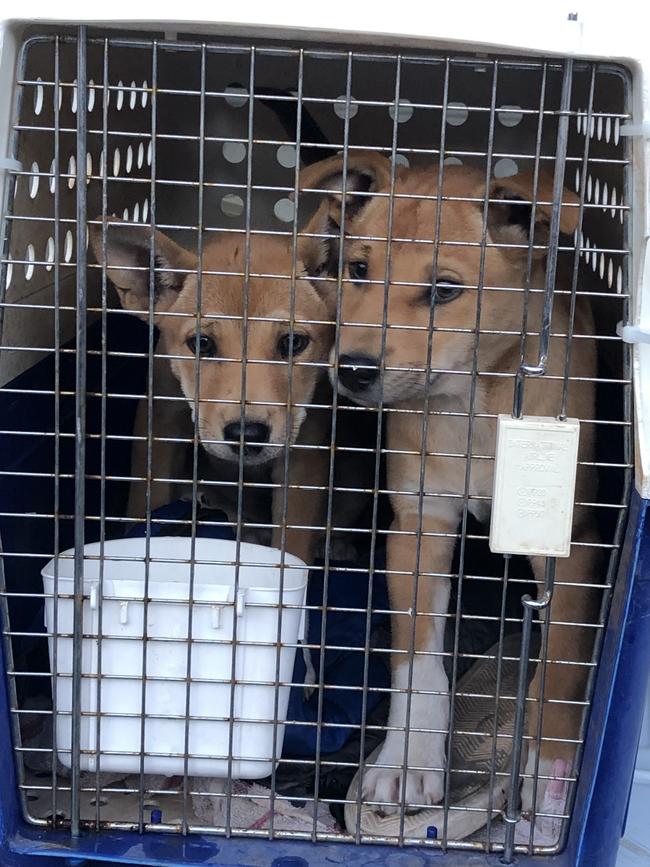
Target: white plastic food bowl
(112, 668)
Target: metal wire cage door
(261, 307)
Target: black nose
(357, 372)
(256, 433)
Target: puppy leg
(426, 680)
(570, 649)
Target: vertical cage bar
(57, 409)
(80, 430)
(242, 408)
(469, 443)
(330, 479)
(195, 443)
(102, 532)
(287, 449)
(543, 601)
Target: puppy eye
(296, 342)
(447, 290)
(207, 346)
(358, 270)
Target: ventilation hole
(599, 128)
(34, 181)
(509, 115)
(60, 97)
(32, 798)
(341, 108)
(101, 801)
(136, 213)
(452, 161)
(52, 177)
(102, 164)
(10, 272)
(404, 111)
(579, 121)
(30, 255)
(125, 215)
(286, 156)
(601, 266)
(612, 202)
(133, 96)
(597, 191)
(67, 246)
(145, 210)
(72, 172)
(620, 211)
(129, 159)
(505, 168)
(116, 162)
(589, 187)
(149, 153)
(592, 126)
(284, 210)
(234, 151)
(617, 129)
(38, 97)
(608, 129)
(91, 95)
(49, 253)
(89, 167)
(619, 280)
(577, 180)
(120, 95)
(457, 113)
(144, 99)
(232, 205)
(140, 155)
(17, 181)
(610, 273)
(73, 104)
(594, 259)
(236, 96)
(402, 160)
(604, 196)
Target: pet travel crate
(201, 131)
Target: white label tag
(534, 486)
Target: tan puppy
(275, 411)
(424, 546)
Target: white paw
(547, 790)
(423, 789)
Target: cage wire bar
(530, 605)
(560, 84)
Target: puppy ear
(509, 223)
(366, 172)
(128, 260)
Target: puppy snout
(256, 434)
(357, 372)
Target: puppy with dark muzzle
(285, 340)
(413, 338)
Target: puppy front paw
(423, 789)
